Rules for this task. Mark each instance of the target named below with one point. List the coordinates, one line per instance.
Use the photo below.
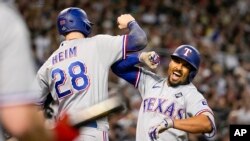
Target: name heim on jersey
(67, 53)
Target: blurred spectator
(42, 43)
(19, 112)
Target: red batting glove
(64, 131)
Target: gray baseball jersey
(161, 101)
(76, 74)
(17, 69)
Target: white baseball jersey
(161, 101)
(76, 74)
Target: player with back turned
(171, 107)
(76, 74)
(20, 115)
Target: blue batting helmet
(191, 55)
(73, 19)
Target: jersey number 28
(74, 77)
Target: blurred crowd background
(220, 29)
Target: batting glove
(64, 131)
(151, 59)
(155, 130)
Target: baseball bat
(99, 110)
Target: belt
(92, 124)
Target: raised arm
(136, 38)
(127, 70)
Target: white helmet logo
(187, 51)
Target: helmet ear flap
(87, 27)
(192, 74)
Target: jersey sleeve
(146, 79)
(41, 86)
(197, 104)
(111, 48)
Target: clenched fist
(124, 20)
(155, 130)
(151, 59)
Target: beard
(175, 84)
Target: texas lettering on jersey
(163, 106)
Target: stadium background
(220, 29)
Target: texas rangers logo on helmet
(62, 22)
(187, 51)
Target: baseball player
(76, 74)
(19, 114)
(172, 106)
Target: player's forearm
(137, 38)
(123, 66)
(126, 68)
(197, 124)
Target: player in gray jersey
(76, 74)
(19, 113)
(171, 107)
